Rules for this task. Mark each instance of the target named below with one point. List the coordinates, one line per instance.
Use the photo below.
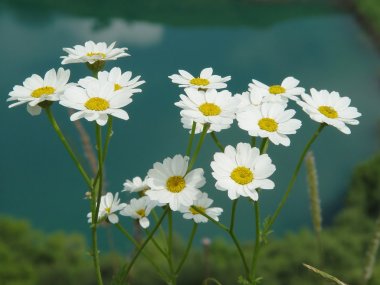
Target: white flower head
(171, 185)
(270, 121)
(242, 170)
(120, 80)
(139, 209)
(136, 185)
(206, 80)
(96, 101)
(329, 108)
(212, 107)
(92, 52)
(278, 93)
(36, 90)
(108, 207)
(202, 204)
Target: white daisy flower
(92, 52)
(202, 204)
(36, 90)
(206, 80)
(118, 79)
(109, 205)
(242, 170)
(96, 101)
(136, 185)
(277, 93)
(328, 107)
(270, 121)
(171, 185)
(139, 209)
(212, 107)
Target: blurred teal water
(321, 46)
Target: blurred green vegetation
(29, 257)
(177, 13)
(370, 10)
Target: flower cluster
(94, 98)
(207, 106)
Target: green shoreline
(367, 13)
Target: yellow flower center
(47, 90)
(117, 87)
(276, 89)
(108, 210)
(141, 212)
(199, 81)
(209, 109)
(242, 175)
(97, 104)
(197, 211)
(97, 54)
(329, 112)
(175, 184)
(268, 124)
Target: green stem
(105, 149)
(232, 235)
(253, 141)
(170, 247)
(232, 223)
(125, 233)
(217, 142)
(223, 227)
(162, 232)
(156, 244)
(97, 194)
(67, 146)
(95, 255)
(108, 138)
(191, 139)
(144, 244)
(194, 230)
(258, 240)
(237, 244)
(264, 146)
(201, 139)
(294, 176)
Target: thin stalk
(232, 235)
(294, 176)
(144, 244)
(191, 139)
(108, 138)
(162, 232)
(257, 242)
(219, 224)
(98, 190)
(193, 231)
(97, 193)
(105, 149)
(264, 146)
(157, 245)
(95, 255)
(137, 245)
(201, 139)
(170, 246)
(237, 244)
(232, 223)
(216, 141)
(68, 147)
(253, 141)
